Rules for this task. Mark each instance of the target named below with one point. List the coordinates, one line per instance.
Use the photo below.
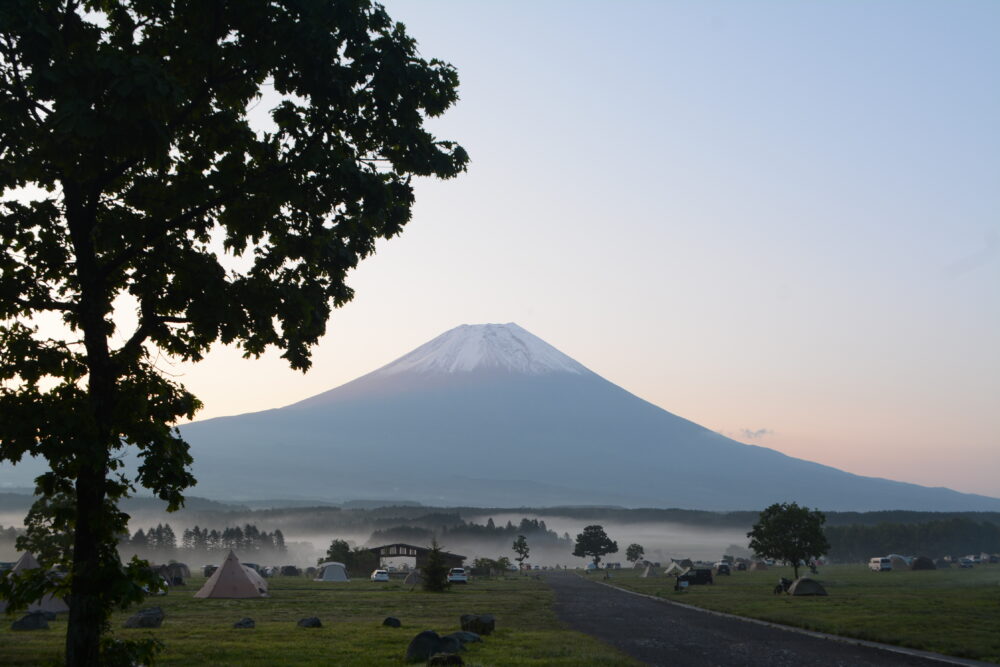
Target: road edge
(916, 653)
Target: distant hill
(491, 415)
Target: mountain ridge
(486, 414)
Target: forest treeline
(161, 542)
(466, 532)
(946, 537)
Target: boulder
(392, 622)
(245, 623)
(465, 637)
(481, 624)
(150, 617)
(429, 643)
(310, 622)
(33, 621)
(446, 659)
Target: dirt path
(658, 633)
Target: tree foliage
(150, 217)
(789, 533)
(634, 552)
(522, 549)
(435, 570)
(594, 543)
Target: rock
(481, 624)
(310, 622)
(245, 623)
(34, 621)
(446, 659)
(150, 617)
(465, 637)
(392, 622)
(429, 643)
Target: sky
(780, 220)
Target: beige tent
(332, 572)
(48, 602)
(758, 565)
(675, 569)
(233, 580)
(899, 563)
(413, 578)
(806, 586)
(650, 571)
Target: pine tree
(435, 570)
(140, 540)
(279, 541)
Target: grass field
(200, 632)
(956, 612)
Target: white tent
(46, 603)
(233, 580)
(332, 572)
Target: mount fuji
(491, 415)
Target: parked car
(880, 564)
(701, 575)
(456, 575)
(722, 568)
(965, 563)
(380, 575)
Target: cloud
(755, 435)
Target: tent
(675, 569)
(331, 572)
(233, 580)
(899, 563)
(47, 602)
(942, 564)
(650, 571)
(413, 578)
(758, 565)
(922, 563)
(806, 586)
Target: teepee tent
(332, 572)
(48, 602)
(233, 580)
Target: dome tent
(806, 586)
(332, 572)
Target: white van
(882, 564)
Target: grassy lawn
(956, 612)
(200, 632)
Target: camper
(881, 564)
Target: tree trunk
(87, 616)
(88, 612)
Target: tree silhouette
(142, 186)
(594, 543)
(789, 533)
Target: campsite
(200, 631)
(953, 611)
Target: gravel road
(659, 633)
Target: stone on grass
(245, 623)
(446, 659)
(392, 622)
(465, 637)
(149, 617)
(481, 624)
(33, 621)
(310, 622)
(429, 643)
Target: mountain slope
(490, 414)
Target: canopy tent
(332, 572)
(233, 580)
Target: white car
(456, 575)
(380, 575)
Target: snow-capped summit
(504, 347)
